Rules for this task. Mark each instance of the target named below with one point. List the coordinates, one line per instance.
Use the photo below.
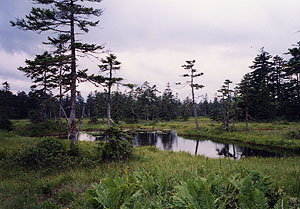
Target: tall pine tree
(65, 19)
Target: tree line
(144, 102)
(270, 92)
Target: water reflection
(207, 148)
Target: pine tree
(66, 18)
(5, 107)
(168, 107)
(109, 66)
(226, 102)
(192, 74)
(244, 94)
(43, 72)
(261, 105)
(147, 101)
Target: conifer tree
(192, 74)
(43, 72)
(109, 66)
(245, 91)
(226, 100)
(5, 107)
(65, 19)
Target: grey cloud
(13, 39)
(157, 36)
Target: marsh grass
(275, 134)
(22, 187)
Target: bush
(65, 197)
(6, 124)
(294, 134)
(93, 120)
(48, 152)
(119, 145)
(42, 129)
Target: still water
(208, 148)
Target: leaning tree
(66, 19)
(192, 74)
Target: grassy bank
(277, 134)
(22, 187)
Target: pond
(171, 141)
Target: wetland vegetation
(44, 164)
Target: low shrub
(47, 153)
(5, 124)
(118, 146)
(93, 120)
(294, 134)
(65, 197)
(47, 188)
(241, 189)
(42, 129)
(48, 204)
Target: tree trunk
(60, 97)
(108, 109)
(193, 97)
(247, 118)
(109, 98)
(72, 130)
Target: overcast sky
(153, 38)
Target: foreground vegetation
(72, 180)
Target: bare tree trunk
(66, 117)
(72, 130)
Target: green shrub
(48, 204)
(47, 188)
(141, 189)
(47, 153)
(65, 197)
(119, 145)
(42, 129)
(93, 120)
(6, 124)
(294, 134)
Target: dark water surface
(208, 148)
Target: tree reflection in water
(208, 148)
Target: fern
(282, 204)
(260, 201)
(142, 189)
